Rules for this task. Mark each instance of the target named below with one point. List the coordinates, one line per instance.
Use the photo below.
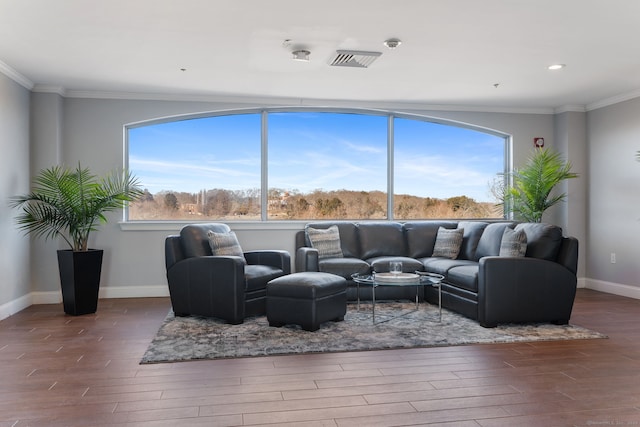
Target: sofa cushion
(448, 243)
(421, 236)
(514, 243)
(543, 240)
(442, 265)
(464, 276)
(344, 267)
(381, 239)
(489, 243)
(470, 238)
(349, 242)
(326, 241)
(224, 244)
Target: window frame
(264, 115)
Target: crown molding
(49, 89)
(613, 100)
(570, 109)
(283, 101)
(15, 76)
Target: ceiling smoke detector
(353, 58)
(392, 43)
(301, 55)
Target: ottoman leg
(311, 327)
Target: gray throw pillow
(448, 242)
(514, 243)
(326, 241)
(224, 244)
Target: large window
(198, 168)
(327, 165)
(303, 165)
(443, 171)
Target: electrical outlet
(613, 257)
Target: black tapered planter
(80, 280)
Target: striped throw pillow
(514, 243)
(225, 244)
(326, 241)
(448, 243)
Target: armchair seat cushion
(257, 276)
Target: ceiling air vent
(354, 58)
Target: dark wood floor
(58, 370)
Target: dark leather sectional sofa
(480, 284)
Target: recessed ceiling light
(556, 66)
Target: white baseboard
(582, 282)
(12, 307)
(55, 297)
(613, 288)
(51, 297)
(134, 291)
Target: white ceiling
(453, 53)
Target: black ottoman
(306, 299)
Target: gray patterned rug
(192, 338)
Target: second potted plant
(529, 193)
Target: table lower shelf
(373, 299)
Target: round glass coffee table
(417, 279)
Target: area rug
(398, 325)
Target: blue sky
(311, 151)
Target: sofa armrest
(213, 284)
(274, 258)
(524, 290)
(307, 259)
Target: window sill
(237, 225)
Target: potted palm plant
(529, 193)
(71, 203)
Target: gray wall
(571, 141)
(68, 130)
(92, 133)
(614, 197)
(14, 164)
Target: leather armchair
(225, 287)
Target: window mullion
(390, 167)
(264, 168)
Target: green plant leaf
(71, 203)
(529, 194)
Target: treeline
(215, 204)
(220, 204)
